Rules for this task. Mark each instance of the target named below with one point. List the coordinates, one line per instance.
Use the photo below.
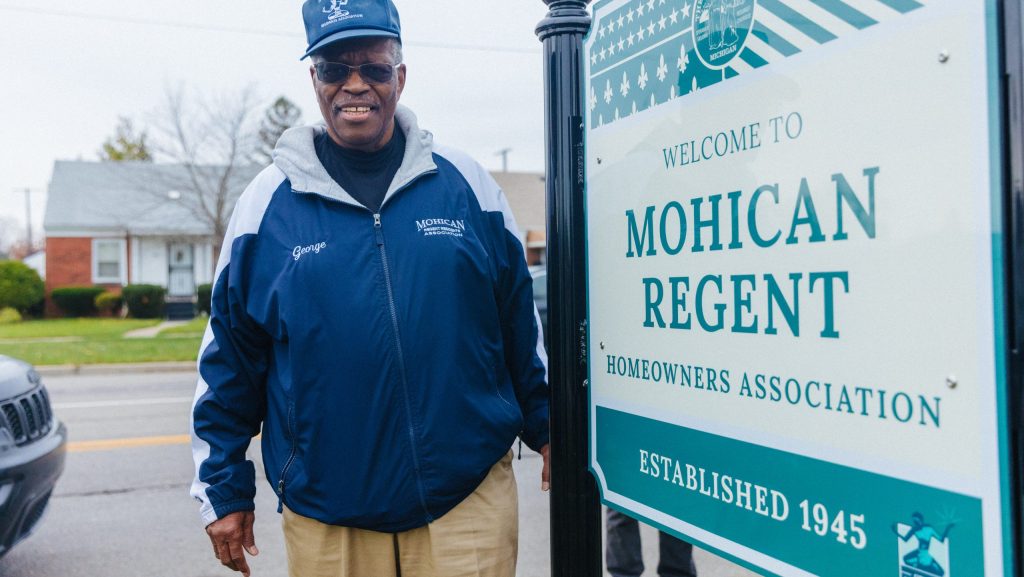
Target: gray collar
(295, 155)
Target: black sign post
(1013, 138)
(575, 505)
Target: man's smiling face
(360, 114)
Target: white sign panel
(795, 280)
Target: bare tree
(10, 233)
(278, 117)
(212, 140)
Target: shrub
(9, 316)
(77, 301)
(20, 286)
(205, 293)
(108, 302)
(36, 311)
(145, 301)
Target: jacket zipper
(378, 229)
(291, 457)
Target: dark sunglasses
(371, 72)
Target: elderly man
(373, 314)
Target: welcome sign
(795, 281)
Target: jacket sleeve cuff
(211, 514)
(536, 432)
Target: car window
(540, 286)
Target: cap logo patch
(336, 14)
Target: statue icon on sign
(920, 562)
(722, 14)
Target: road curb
(64, 370)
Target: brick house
(112, 224)
(525, 193)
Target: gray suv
(32, 447)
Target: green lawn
(86, 328)
(104, 351)
(97, 341)
(194, 328)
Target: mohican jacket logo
(441, 226)
(301, 251)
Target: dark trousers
(624, 557)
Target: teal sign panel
(825, 518)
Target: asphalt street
(122, 507)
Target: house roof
(134, 197)
(525, 193)
(157, 199)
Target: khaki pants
(478, 538)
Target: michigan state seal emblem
(720, 29)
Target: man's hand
(232, 534)
(545, 473)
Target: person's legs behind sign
(624, 555)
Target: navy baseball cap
(328, 21)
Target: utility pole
(28, 211)
(503, 153)
(575, 503)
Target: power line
(236, 30)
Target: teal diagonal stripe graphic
(851, 15)
(798, 21)
(903, 6)
(751, 58)
(773, 40)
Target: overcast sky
(70, 69)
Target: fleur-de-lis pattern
(629, 39)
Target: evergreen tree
(126, 145)
(281, 116)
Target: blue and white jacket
(390, 358)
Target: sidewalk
(150, 332)
(158, 367)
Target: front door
(182, 271)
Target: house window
(107, 261)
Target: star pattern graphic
(634, 48)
